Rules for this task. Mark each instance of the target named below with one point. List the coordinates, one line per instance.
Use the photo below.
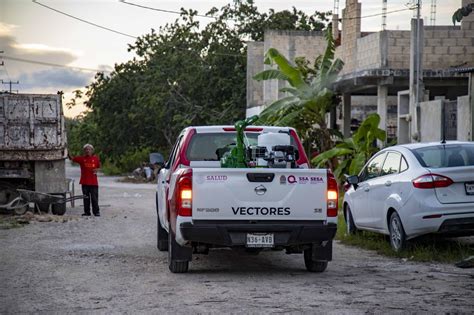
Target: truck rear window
(438, 156)
(211, 146)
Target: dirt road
(111, 265)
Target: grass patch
(426, 249)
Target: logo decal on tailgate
(260, 190)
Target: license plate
(260, 240)
(469, 188)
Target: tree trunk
(327, 144)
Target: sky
(29, 31)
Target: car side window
(374, 167)
(391, 164)
(403, 164)
(172, 157)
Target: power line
(52, 64)
(84, 21)
(376, 14)
(163, 10)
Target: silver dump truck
(32, 152)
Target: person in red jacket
(89, 163)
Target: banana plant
(308, 97)
(462, 12)
(354, 152)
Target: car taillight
(332, 200)
(184, 194)
(428, 181)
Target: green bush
(110, 168)
(133, 159)
(126, 163)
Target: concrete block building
(376, 75)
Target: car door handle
(366, 188)
(388, 183)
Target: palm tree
(309, 94)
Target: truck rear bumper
(234, 233)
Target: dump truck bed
(31, 127)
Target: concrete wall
(369, 52)
(464, 119)
(444, 46)
(467, 22)
(291, 44)
(430, 120)
(399, 53)
(254, 66)
(349, 34)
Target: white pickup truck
(201, 205)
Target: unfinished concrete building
(376, 75)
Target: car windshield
(212, 146)
(448, 155)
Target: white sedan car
(413, 189)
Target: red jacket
(88, 165)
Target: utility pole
(384, 15)
(10, 84)
(433, 13)
(416, 75)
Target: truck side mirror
(353, 180)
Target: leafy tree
(309, 93)
(354, 152)
(183, 74)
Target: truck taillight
(428, 181)
(184, 193)
(332, 194)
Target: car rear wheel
(351, 229)
(313, 265)
(397, 233)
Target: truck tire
(58, 208)
(174, 249)
(162, 236)
(312, 265)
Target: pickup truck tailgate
(259, 194)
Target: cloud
(37, 78)
(58, 78)
(30, 51)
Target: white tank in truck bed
(259, 194)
